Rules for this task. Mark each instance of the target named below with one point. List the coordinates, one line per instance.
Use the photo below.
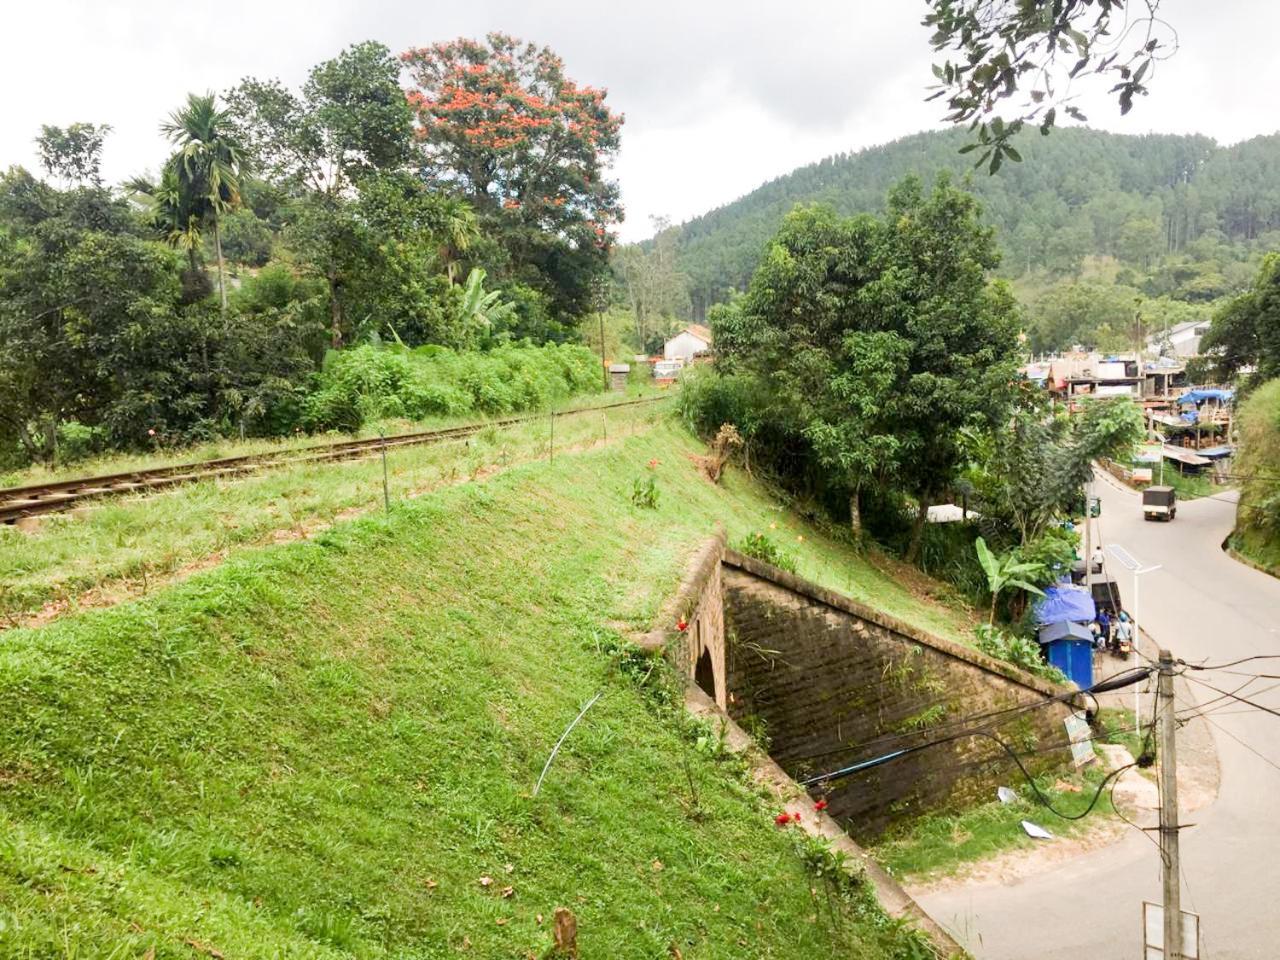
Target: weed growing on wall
(1022, 652)
(763, 548)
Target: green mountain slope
(1079, 192)
(320, 749)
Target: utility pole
(604, 363)
(1088, 537)
(1170, 868)
(600, 296)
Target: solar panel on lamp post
(1130, 563)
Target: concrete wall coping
(688, 596)
(838, 601)
(894, 900)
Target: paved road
(1203, 606)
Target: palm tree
(207, 167)
(176, 222)
(458, 230)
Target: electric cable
(1044, 801)
(1114, 682)
(1217, 726)
(1226, 697)
(1245, 700)
(1232, 663)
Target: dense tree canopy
(1245, 333)
(501, 124)
(349, 123)
(880, 339)
(1080, 197)
(326, 219)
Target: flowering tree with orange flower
(500, 123)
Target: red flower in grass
(820, 805)
(654, 463)
(682, 624)
(782, 819)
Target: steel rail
(62, 495)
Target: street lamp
(1130, 563)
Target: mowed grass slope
(320, 749)
(122, 545)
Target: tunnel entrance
(704, 674)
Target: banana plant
(480, 309)
(1006, 571)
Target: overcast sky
(719, 96)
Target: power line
(887, 758)
(1114, 682)
(1226, 698)
(1267, 760)
(1232, 663)
(1234, 696)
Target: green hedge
(368, 382)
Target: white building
(688, 343)
(1181, 341)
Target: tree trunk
(917, 530)
(335, 313)
(51, 440)
(222, 268)
(855, 513)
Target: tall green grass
(370, 382)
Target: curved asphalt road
(1203, 606)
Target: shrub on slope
(369, 382)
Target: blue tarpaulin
(1065, 603)
(1201, 394)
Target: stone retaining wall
(832, 682)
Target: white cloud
(719, 96)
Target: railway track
(62, 495)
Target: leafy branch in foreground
(1007, 46)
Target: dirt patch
(1014, 866)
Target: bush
(1022, 652)
(644, 492)
(762, 547)
(78, 442)
(370, 382)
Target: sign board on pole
(1081, 738)
(1141, 474)
(1150, 453)
(1153, 933)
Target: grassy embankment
(1257, 533)
(165, 456)
(942, 844)
(322, 748)
(1258, 546)
(122, 546)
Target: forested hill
(1077, 192)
